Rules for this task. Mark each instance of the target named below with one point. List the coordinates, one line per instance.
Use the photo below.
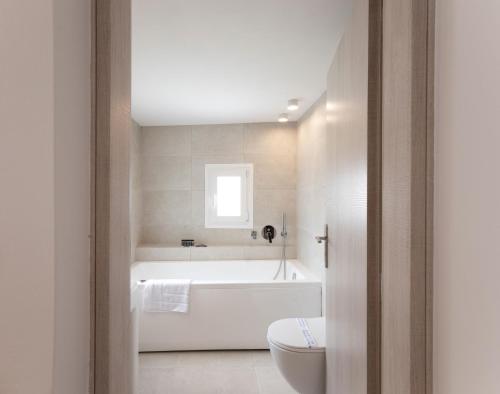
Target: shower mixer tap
(269, 232)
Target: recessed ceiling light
(283, 118)
(293, 105)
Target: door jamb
(110, 14)
(407, 195)
(110, 344)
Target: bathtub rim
(310, 281)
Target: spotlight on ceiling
(283, 118)
(293, 105)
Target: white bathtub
(232, 303)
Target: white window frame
(245, 171)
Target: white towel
(166, 295)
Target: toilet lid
(298, 335)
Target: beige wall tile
(135, 188)
(169, 234)
(269, 206)
(271, 139)
(277, 241)
(173, 161)
(135, 173)
(166, 173)
(136, 139)
(312, 194)
(198, 208)
(135, 219)
(178, 253)
(273, 171)
(219, 237)
(312, 254)
(167, 208)
(135, 156)
(312, 147)
(155, 253)
(198, 167)
(166, 141)
(217, 140)
(312, 212)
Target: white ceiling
(230, 61)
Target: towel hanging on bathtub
(166, 295)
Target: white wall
(467, 198)
(27, 197)
(312, 155)
(44, 198)
(72, 107)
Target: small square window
(229, 195)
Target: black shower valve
(269, 233)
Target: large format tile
(217, 139)
(198, 166)
(271, 382)
(262, 358)
(166, 141)
(269, 206)
(169, 234)
(208, 379)
(166, 173)
(198, 208)
(223, 358)
(159, 253)
(240, 358)
(273, 171)
(278, 240)
(222, 236)
(196, 359)
(311, 203)
(209, 372)
(216, 358)
(135, 172)
(217, 372)
(166, 208)
(270, 139)
(312, 155)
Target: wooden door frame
(110, 347)
(407, 182)
(407, 196)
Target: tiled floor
(211, 372)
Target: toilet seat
(288, 334)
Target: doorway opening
(239, 211)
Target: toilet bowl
(298, 349)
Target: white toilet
(298, 349)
